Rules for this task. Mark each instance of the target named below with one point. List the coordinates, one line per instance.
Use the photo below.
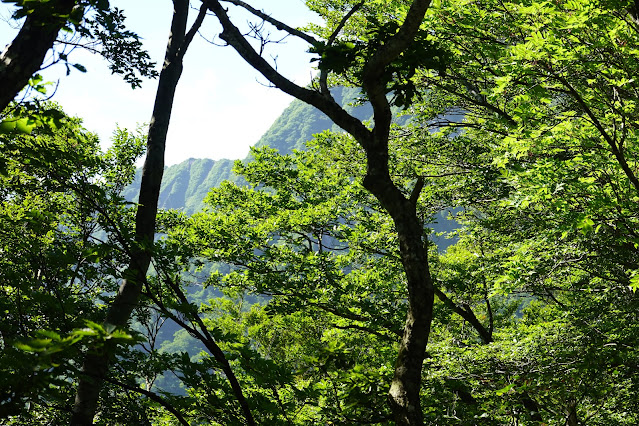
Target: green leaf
(504, 390)
(16, 125)
(585, 224)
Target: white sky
(221, 106)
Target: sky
(221, 107)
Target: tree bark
(571, 410)
(405, 386)
(23, 57)
(97, 360)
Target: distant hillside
(184, 185)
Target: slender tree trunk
(97, 360)
(24, 56)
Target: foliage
(553, 220)
(97, 26)
(292, 283)
(287, 239)
(347, 54)
(122, 48)
(63, 240)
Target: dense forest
(442, 229)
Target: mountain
(185, 185)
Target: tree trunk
(23, 57)
(97, 360)
(405, 387)
(571, 411)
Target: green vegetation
(61, 244)
(489, 243)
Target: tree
(525, 135)
(63, 236)
(553, 116)
(519, 89)
(375, 64)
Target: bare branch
(277, 24)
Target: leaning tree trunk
(97, 360)
(24, 56)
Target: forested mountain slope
(185, 185)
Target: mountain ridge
(185, 184)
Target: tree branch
(373, 72)
(23, 57)
(152, 396)
(217, 353)
(466, 314)
(277, 24)
(324, 73)
(327, 105)
(621, 159)
(417, 190)
(188, 38)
